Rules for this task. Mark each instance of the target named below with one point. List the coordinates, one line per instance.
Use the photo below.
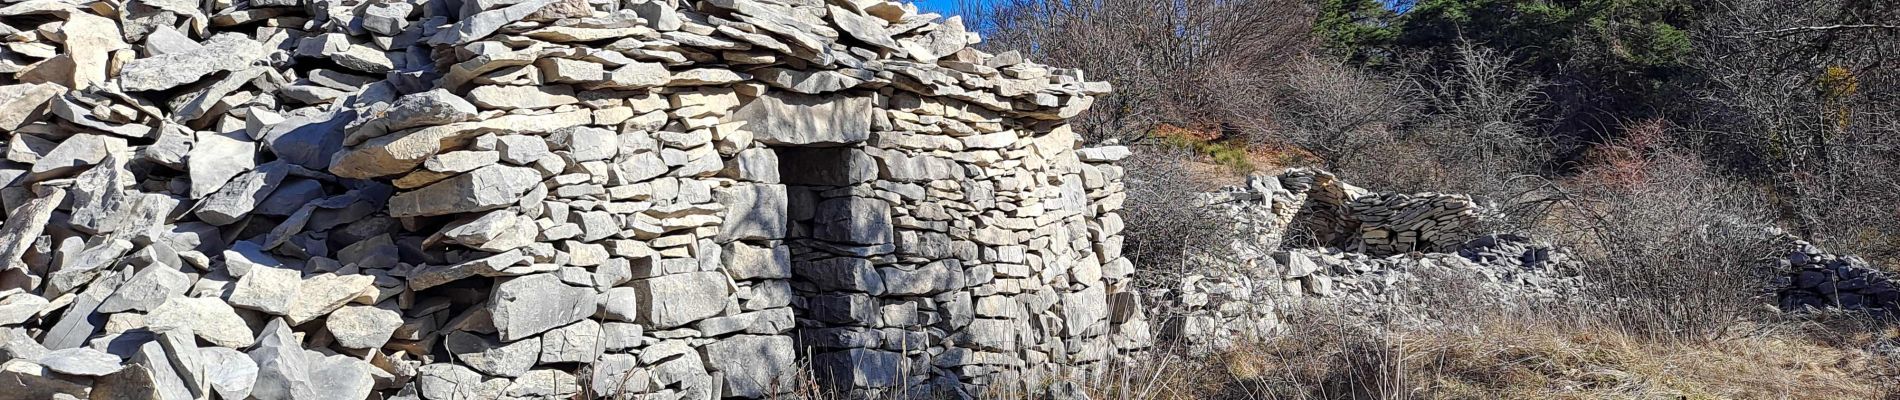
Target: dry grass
(1505, 358)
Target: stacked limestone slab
(1271, 273)
(1811, 278)
(1315, 208)
(437, 199)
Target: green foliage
(1357, 31)
(1231, 155)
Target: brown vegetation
(1661, 144)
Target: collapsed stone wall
(1316, 209)
(545, 198)
(1271, 272)
(1810, 278)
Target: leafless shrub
(1183, 62)
(1802, 97)
(1669, 245)
(1335, 111)
(1164, 218)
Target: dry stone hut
(475, 199)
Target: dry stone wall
(1307, 245)
(1315, 209)
(440, 199)
(1810, 278)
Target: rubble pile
(1272, 271)
(474, 199)
(1810, 278)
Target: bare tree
(1183, 62)
(1336, 111)
(1804, 97)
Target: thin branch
(1806, 29)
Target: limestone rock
(30, 380)
(579, 342)
(795, 119)
(528, 305)
(210, 318)
(443, 381)
(81, 361)
(479, 190)
(492, 356)
(363, 327)
(678, 299)
(223, 52)
(754, 366)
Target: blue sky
(945, 7)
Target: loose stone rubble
(1810, 278)
(416, 199)
(1313, 208)
(1271, 273)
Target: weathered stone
(287, 371)
(481, 24)
(19, 307)
(754, 366)
(543, 384)
(618, 375)
(841, 274)
(620, 304)
(363, 327)
(862, 368)
(149, 288)
(705, 76)
(745, 261)
(81, 361)
(853, 220)
(483, 189)
(585, 144)
(679, 299)
(930, 279)
(237, 198)
(20, 103)
(813, 82)
(864, 28)
(754, 212)
(429, 276)
(216, 158)
(319, 295)
(492, 356)
(223, 52)
(30, 380)
(400, 152)
(210, 318)
(528, 97)
(579, 342)
(528, 305)
(434, 107)
(522, 150)
(794, 119)
(444, 381)
(229, 372)
(387, 19)
(75, 153)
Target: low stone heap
(1315, 208)
(1811, 278)
(1251, 290)
(403, 199)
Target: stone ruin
(479, 199)
(1808, 278)
(1308, 245)
(1313, 208)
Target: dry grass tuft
(1516, 358)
